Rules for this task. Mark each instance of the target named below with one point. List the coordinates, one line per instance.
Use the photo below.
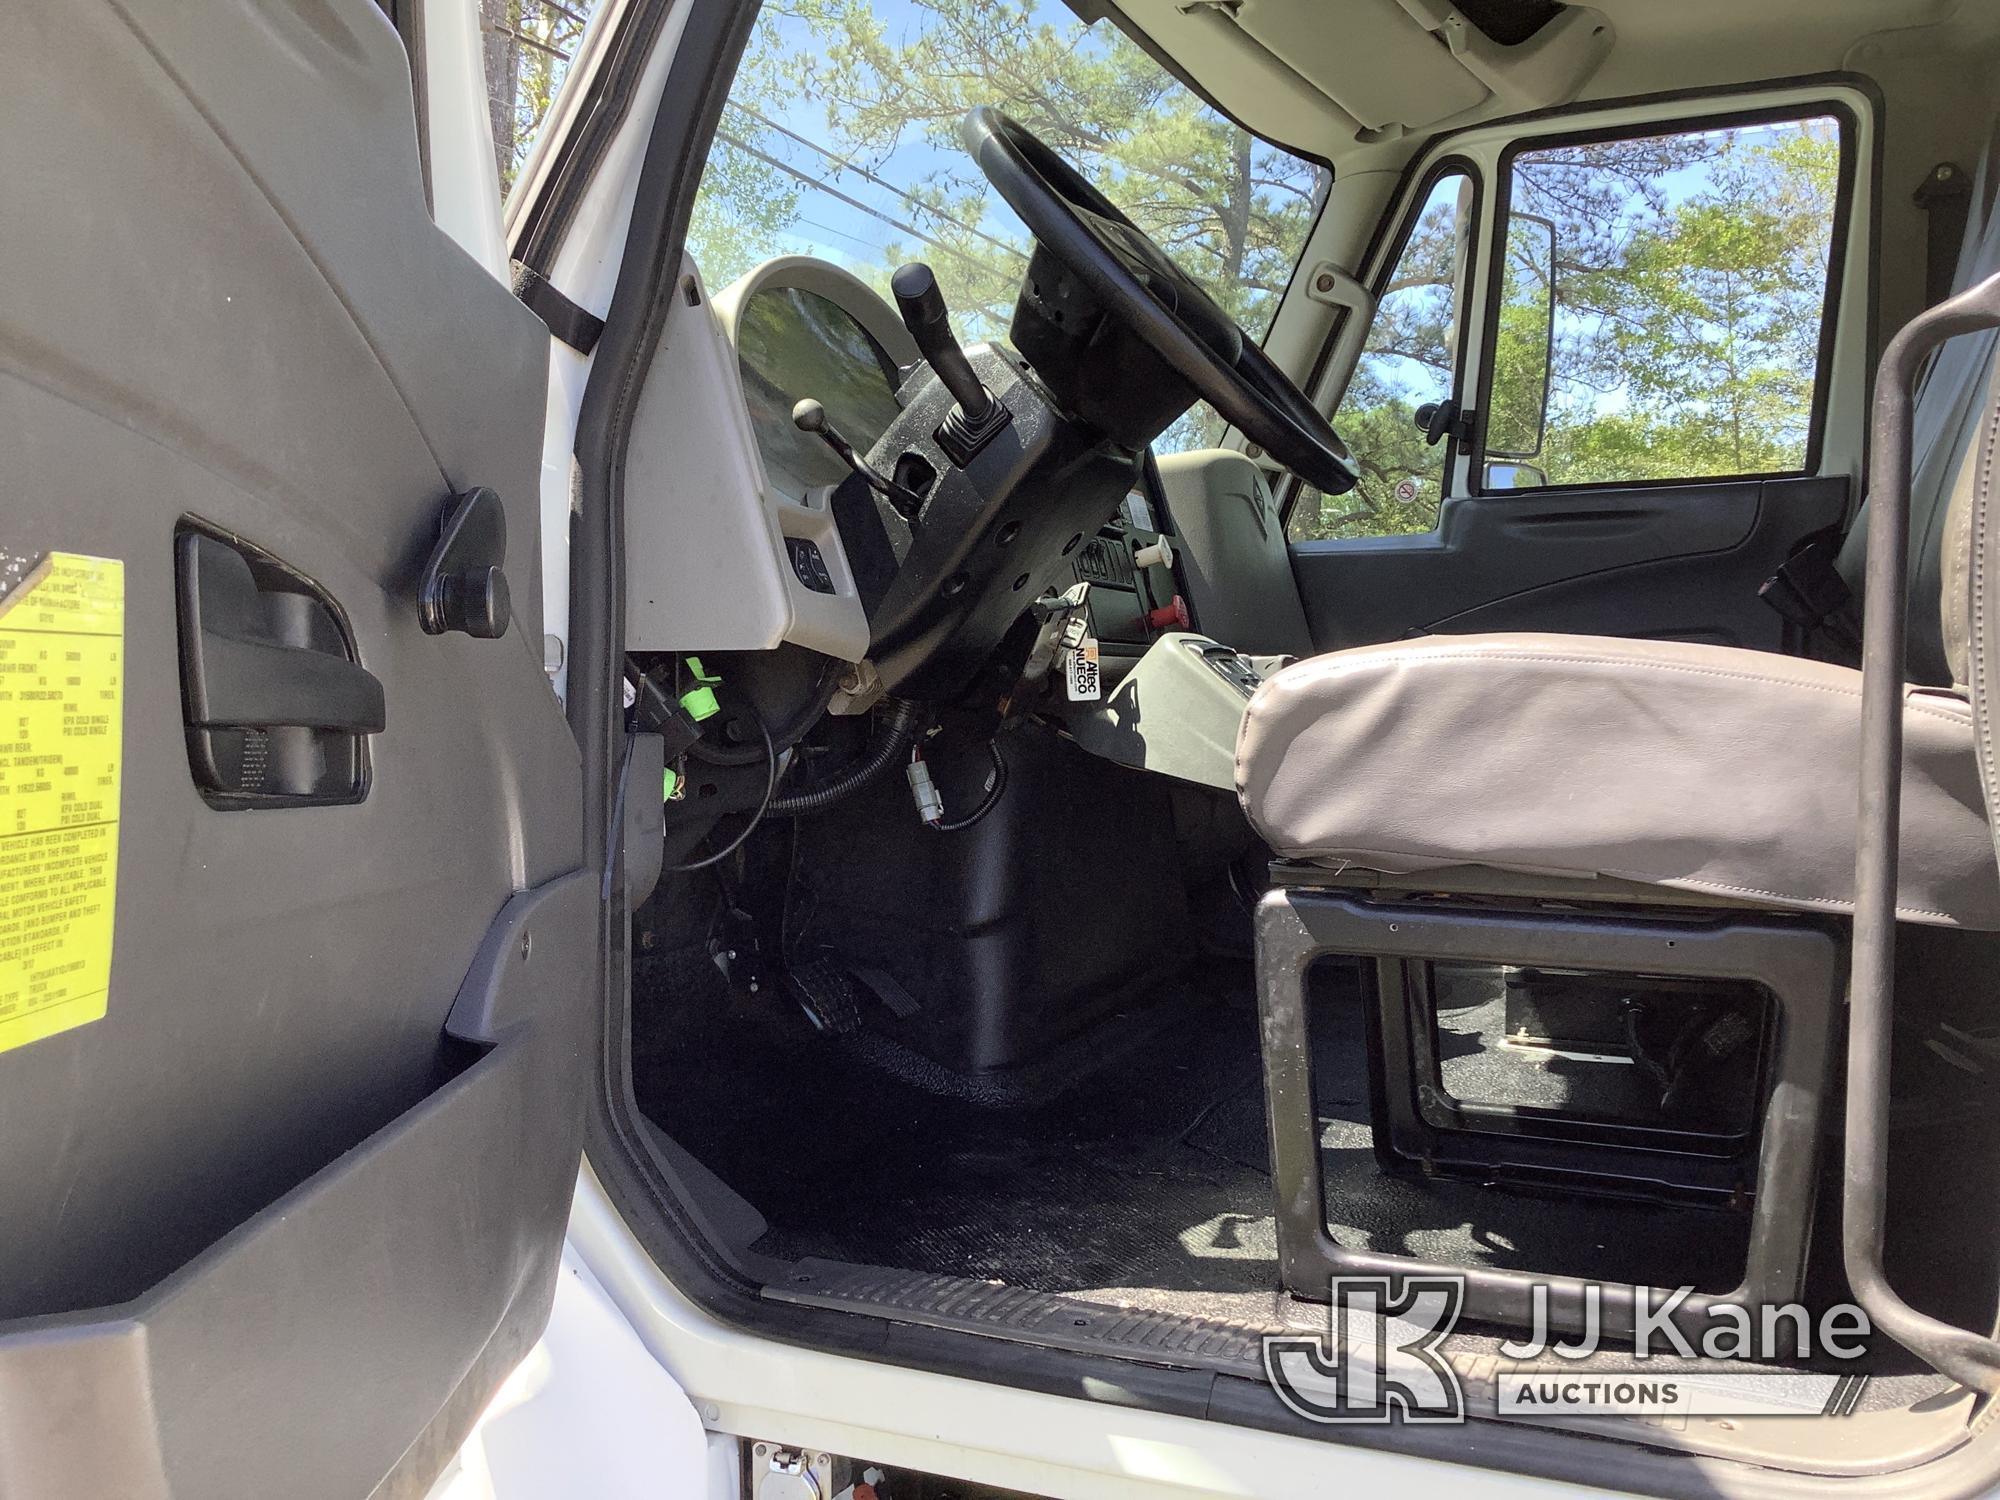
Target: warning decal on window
(62, 674)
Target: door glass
(1406, 363)
(1690, 282)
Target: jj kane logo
(1383, 1356)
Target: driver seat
(1723, 772)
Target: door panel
(301, 1190)
(1681, 562)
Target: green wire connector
(699, 700)
(668, 782)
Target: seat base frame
(1799, 961)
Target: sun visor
(1370, 57)
(1381, 68)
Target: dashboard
(802, 328)
(743, 533)
(730, 543)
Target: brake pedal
(827, 995)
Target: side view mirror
(1524, 347)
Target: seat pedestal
(1796, 962)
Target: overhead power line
(862, 172)
(852, 202)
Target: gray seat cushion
(1703, 768)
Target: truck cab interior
(1189, 766)
(991, 692)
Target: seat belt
(576, 326)
(1945, 196)
(1808, 591)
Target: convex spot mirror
(1506, 474)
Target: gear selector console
(1177, 712)
(976, 416)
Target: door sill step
(1051, 1319)
(1077, 1324)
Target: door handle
(276, 706)
(256, 657)
(251, 682)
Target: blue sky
(835, 230)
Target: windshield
(840, 140)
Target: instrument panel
(804, 328)
(792, 343)
(730, 544)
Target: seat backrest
(1953, 395)
(1234, 554)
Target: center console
(1177, 711)
(1173, 699)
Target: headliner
(1334, 76)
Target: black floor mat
(1094, 1187)
(1151, 1172)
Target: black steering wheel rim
(1164, 306)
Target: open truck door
(296, 954)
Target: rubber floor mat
(1151, 1172)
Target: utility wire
(852, 202)
(860, 171)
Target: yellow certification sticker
(62, 693)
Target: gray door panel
(284, 1208)
(1681, 562)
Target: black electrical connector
(657, 713)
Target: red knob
(1169, 616)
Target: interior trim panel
(1681, 562)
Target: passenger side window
(1407, 362)
(1661, 305)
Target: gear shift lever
(810, 416)
(929, 322)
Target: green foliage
(1707, 327)
(527, 49)
(1233, 212)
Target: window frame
(1385, 253)
(1830, 298)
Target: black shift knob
(929, 322)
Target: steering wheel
(1141, 287)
